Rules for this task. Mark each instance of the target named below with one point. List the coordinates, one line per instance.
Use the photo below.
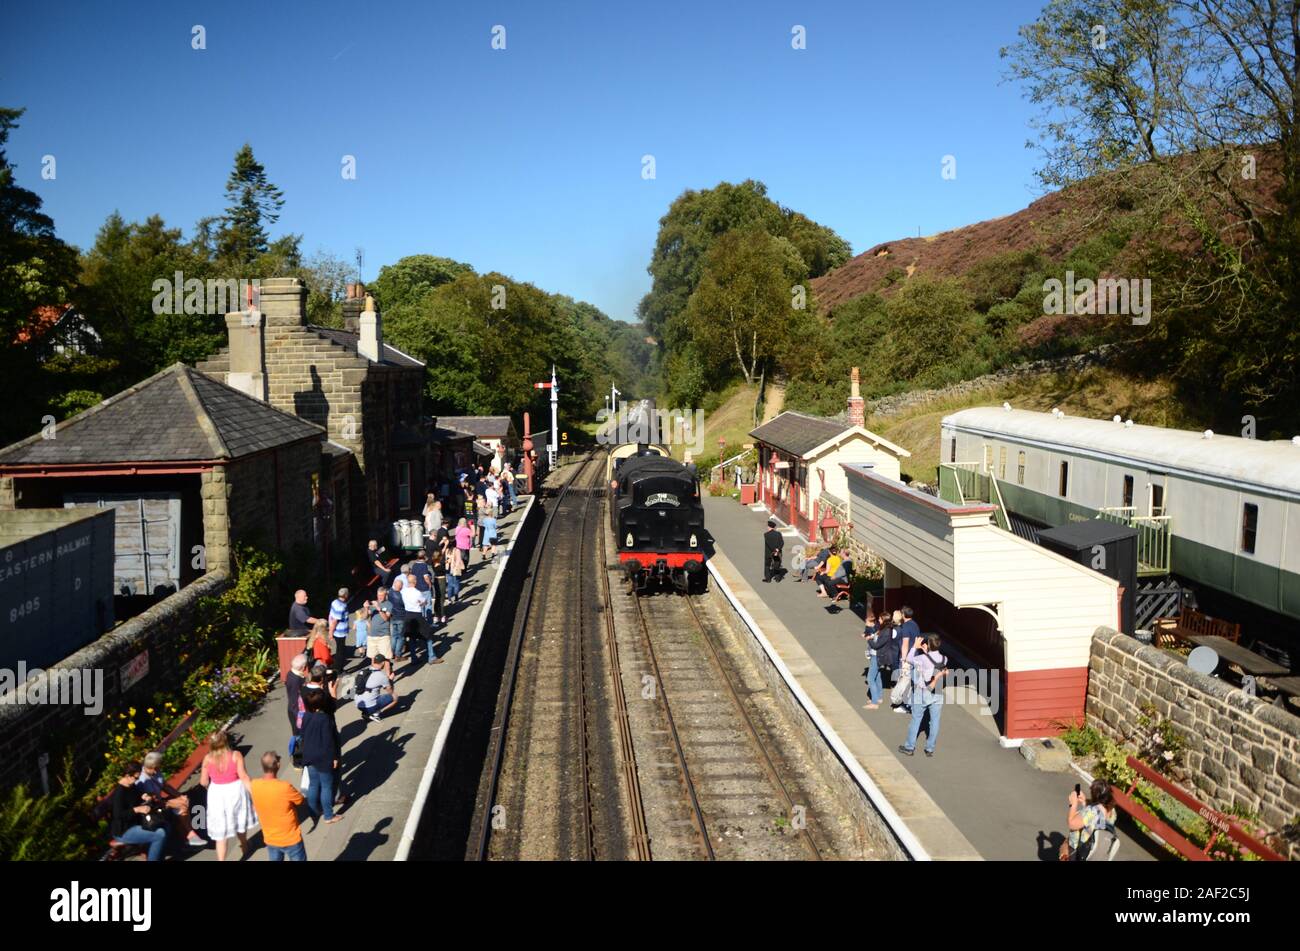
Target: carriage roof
(1263, 463)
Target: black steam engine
(659, 522)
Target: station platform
(384, 763)
(975, 799)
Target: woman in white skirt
(230, 805)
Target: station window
(1249, 524)
(1127, 500)
(1157, 499)
(1065, 479)
(1020, 468)
(988, 459)
(1002, 462)
(952, 449)
(403, 486)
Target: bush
(1082, 739)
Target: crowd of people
(410, 610)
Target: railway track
(700, 765)
(738, 770)
(560, 750)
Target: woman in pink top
(464, 540)
(230, 803)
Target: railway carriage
(658, 520)
(1222, 512)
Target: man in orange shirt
(276, 803)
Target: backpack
(359, 682)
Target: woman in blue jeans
(928, 667)
(129, 809)
(320, 754)
(879, 633)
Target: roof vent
(1208, 434)
(1116, 419)
(1006, 407)
(1295, 440)
(1056, 411)
(1128, 423)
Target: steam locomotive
(658, 520)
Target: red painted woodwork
(1043, 702)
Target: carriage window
(1249, 523)
(1065, 479)
(1020, 468)
(988, 459)
(952, 449)
(1002, 462)
(1127, 500)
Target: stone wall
(29, 729)
(901, 402)
(1240, 750)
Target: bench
(1192, 623)
(118, 850)
(844, 589)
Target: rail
(480, 830)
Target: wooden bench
(844, 589)
(118, 850)
(1192, 623)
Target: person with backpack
(928, 668)
(1088, 819)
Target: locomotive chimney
(856, 403)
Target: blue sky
(526, 160)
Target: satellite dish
(1203, 660)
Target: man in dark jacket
(773, 543)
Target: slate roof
(482, 427)
(178, 415)
(349, 338)
(444, 436)
(798, 433)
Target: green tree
(741, 312)
(253, 202)
(36, 268)
(408, 278)
(1187, 117)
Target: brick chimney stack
(370, 343)
(353, 304)
(247, 334)
(284, 302)
(856, 403)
